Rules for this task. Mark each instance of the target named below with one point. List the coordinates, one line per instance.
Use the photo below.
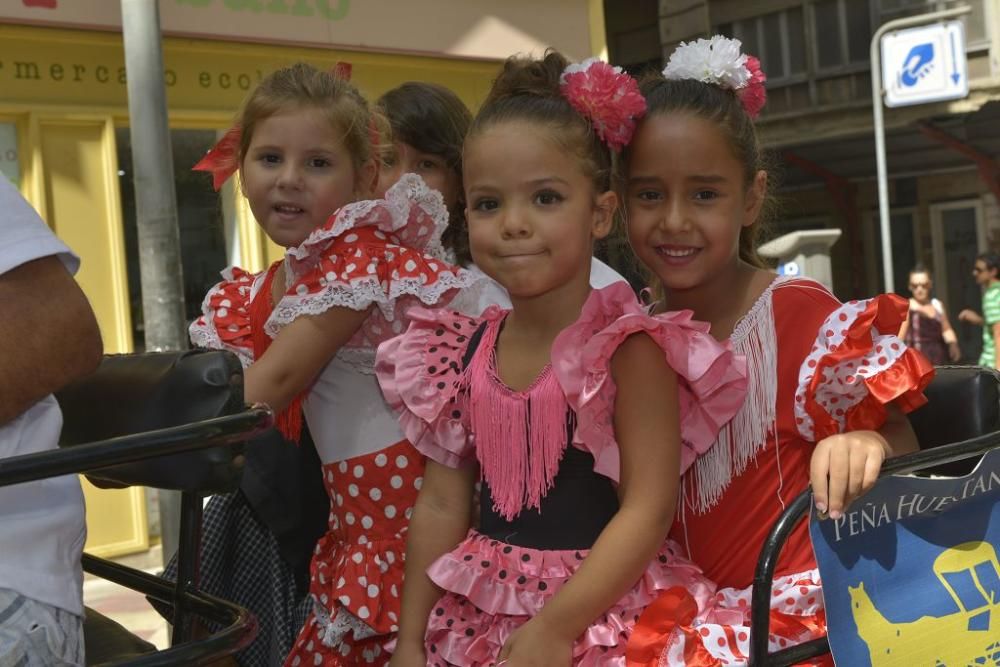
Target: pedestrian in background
(985, 271)
(927, 327)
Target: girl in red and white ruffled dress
(303, 326)
(379, 245)
(574, 408)
(828, 382)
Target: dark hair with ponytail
(528, 90)
(722, 107)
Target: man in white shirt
(48, 338)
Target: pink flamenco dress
(821, 368)
(385, 253)
(549, 463)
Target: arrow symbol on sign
(954, 61)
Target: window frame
(978, 46)
(813, 73)
(846, 65)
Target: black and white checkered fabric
(240, 562)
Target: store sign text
(31, 71)
(334, 11)
(280, 7)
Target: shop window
(200, 218)
(843, 33)
(815, 41)
(902, 225)
(9, 165)
(777, 39)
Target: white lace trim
(206, 337)
(408, 193)
(361, 359)
(742, 437)
(362, 293)
(332, 630)
(470, 301)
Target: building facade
(944, 178)
(64, 137)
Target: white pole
(883, 180)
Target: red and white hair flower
(607, 97)
(719, 61)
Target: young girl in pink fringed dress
(574, 408)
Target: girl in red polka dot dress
(351, 272)
(573, 408)
(828, 382)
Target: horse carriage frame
(178, 421)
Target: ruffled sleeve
(856, 367)
(712, 379)
(422, 379)
(385, 252)
(225, 320)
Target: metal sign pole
(883, 182)
(155, 207)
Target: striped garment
(34, 634)
(991, 316)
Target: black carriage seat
(963, 403)
(138, 393)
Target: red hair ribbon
(342, 70)
(223, 159)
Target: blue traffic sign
(925, 64)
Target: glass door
(905, 249)
(9, 164)
(200, 218)
(958, 233)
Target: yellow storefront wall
(66, 92)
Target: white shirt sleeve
(486, 292)
(24, 236)
(602, 275)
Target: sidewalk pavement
(128, 607)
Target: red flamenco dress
(549, 464)
(816, 367)
(385, 253)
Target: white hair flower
(717, 60)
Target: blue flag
(911, 574)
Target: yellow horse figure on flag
(969, 636)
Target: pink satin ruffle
(712, 379)
(418, 374)
(432, 411)
(492, 588)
